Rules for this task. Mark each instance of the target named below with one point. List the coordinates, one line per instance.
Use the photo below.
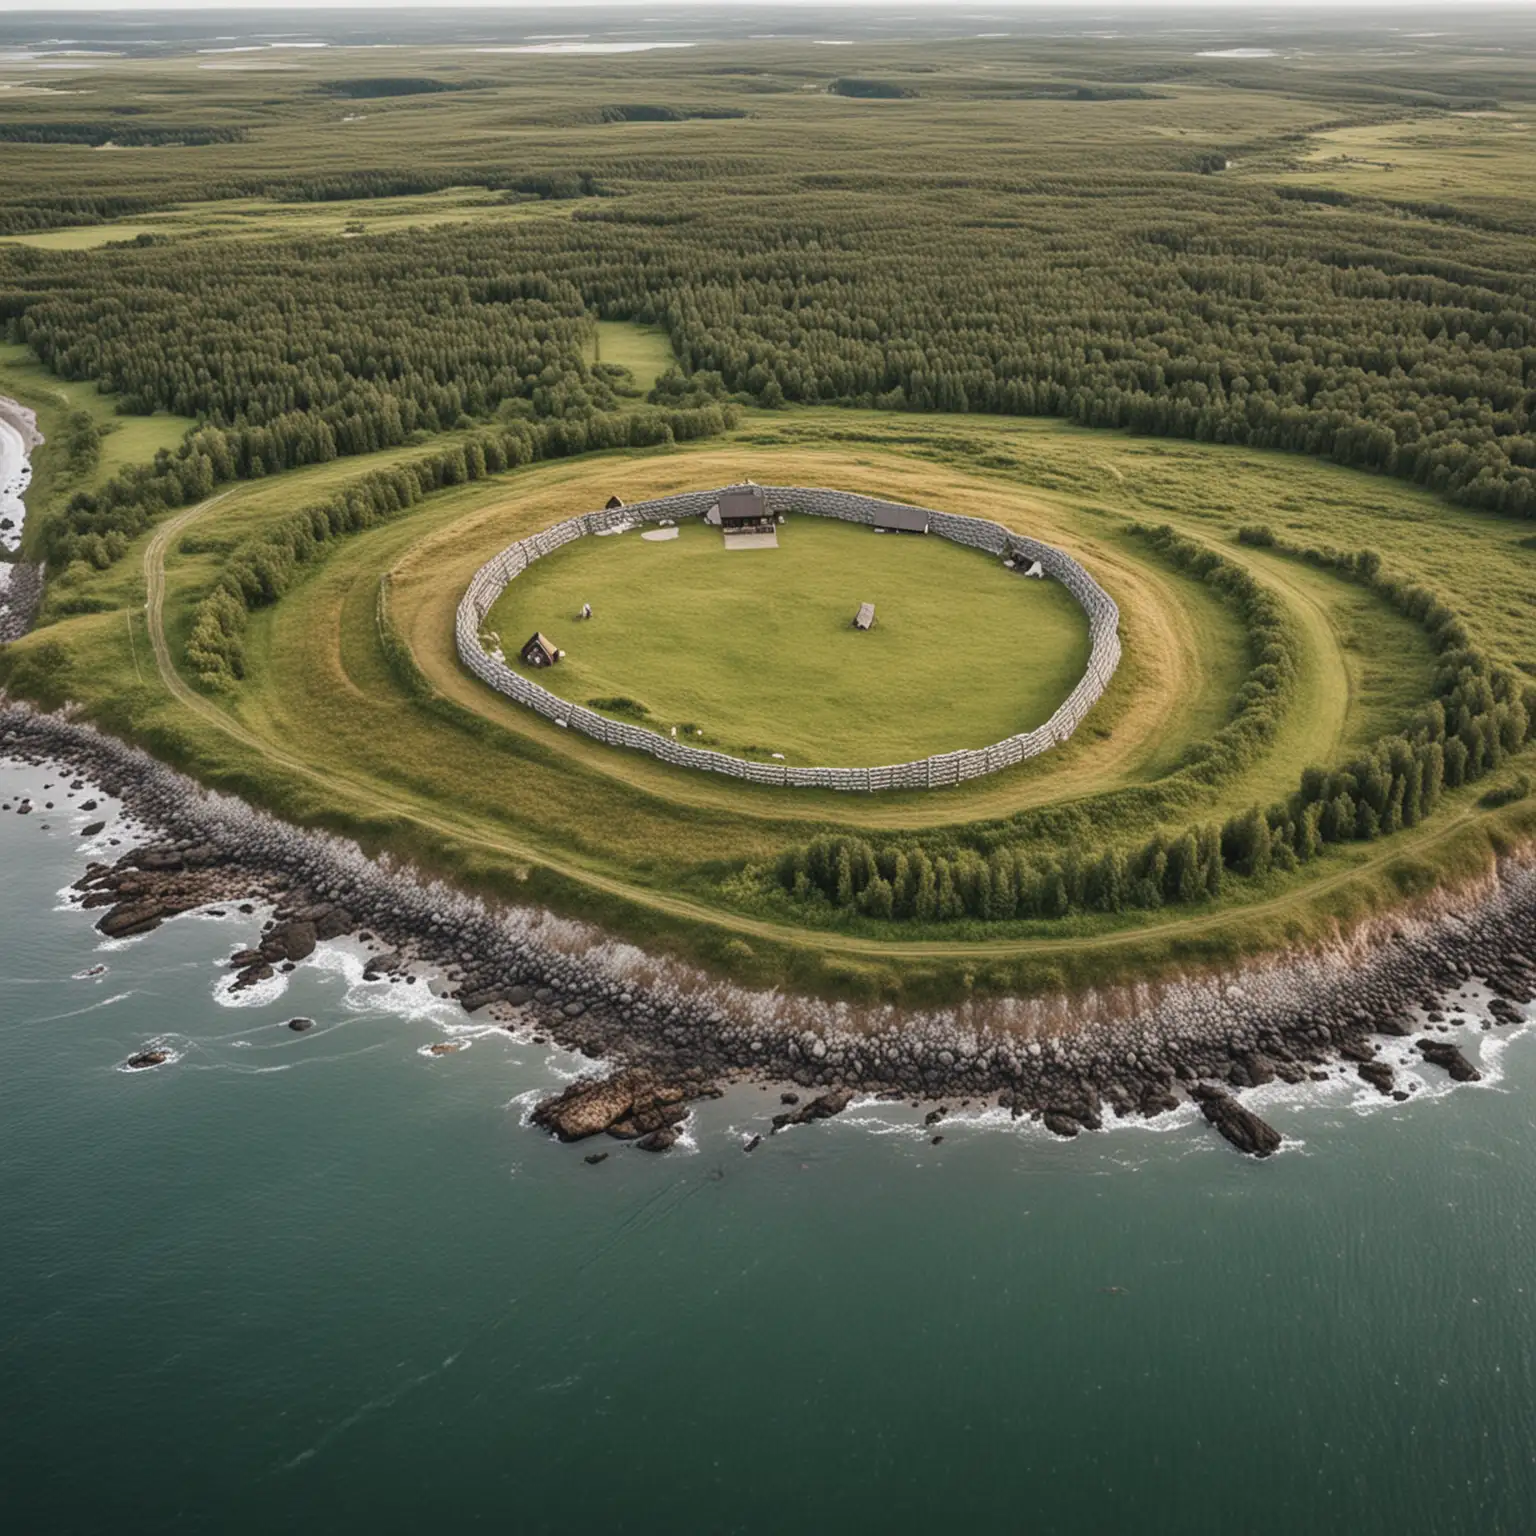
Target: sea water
(328, 1280)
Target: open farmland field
(644, 351)
(267, 218)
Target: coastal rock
(151, 1058)
(131, 917)
(298, 1026)
(660, 1140)
(1060, 1124)
(630, 1104)
(93, 828)
(1378, 1074)
(1156, 1099)
(329, 922)
(293, 940)
(1442, 1053)
(252, 974)
(1239, 1126)
(822, 1108)
(1295, 1018)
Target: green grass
(84, 237)
(127, 440)
(265, 218)
(645, 350)
(473, 787)
(753, 651)
(1446, 158)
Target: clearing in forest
(645, 350)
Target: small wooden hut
(614, 503)
(744, 509)
(539, 651)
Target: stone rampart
(925, 773)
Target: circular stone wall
(924, 773)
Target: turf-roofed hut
(539, 651)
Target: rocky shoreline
(672, 1035)
(21, 594)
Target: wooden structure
(539, 651)
(744, 509)
(891, 519)
(613, 504)
(865, 617)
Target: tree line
(127, 135)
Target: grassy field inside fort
(753, 652)
(432, 766)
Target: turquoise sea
(328, 1281)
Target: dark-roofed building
(614, 503)
(901, 519)
(539, 651)
(744, 509)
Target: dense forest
(1174, 306)
(1112, 235)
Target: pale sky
(1237, 10)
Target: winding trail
(675, 906)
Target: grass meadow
(753, 650)
(125, 439)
